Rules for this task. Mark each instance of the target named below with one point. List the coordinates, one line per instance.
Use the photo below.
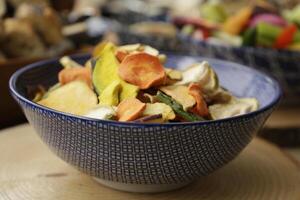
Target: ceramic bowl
(148, 157)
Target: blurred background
(261, 34)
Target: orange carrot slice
(142, 70)
(68, 75)
(121, 55)
(201, 106)
(130, 109)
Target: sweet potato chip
(68, 75)
(201, 106)
(130, 109)
(121, 55)
(142, 70)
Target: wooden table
(283, 127)
(29, 170)
(284, 117)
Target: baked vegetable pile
(130, 84)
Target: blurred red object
(286, 37)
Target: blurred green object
(213, 12)
(267, 34)
(292, 15)
(233, 40)
(249, 37)
(188, 29)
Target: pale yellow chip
(75, 98)
(159, 108)
(235, 107)
(174, 74)
(129, 47)
(180, 94)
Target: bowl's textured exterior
(148, 154)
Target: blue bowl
(148, 157)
